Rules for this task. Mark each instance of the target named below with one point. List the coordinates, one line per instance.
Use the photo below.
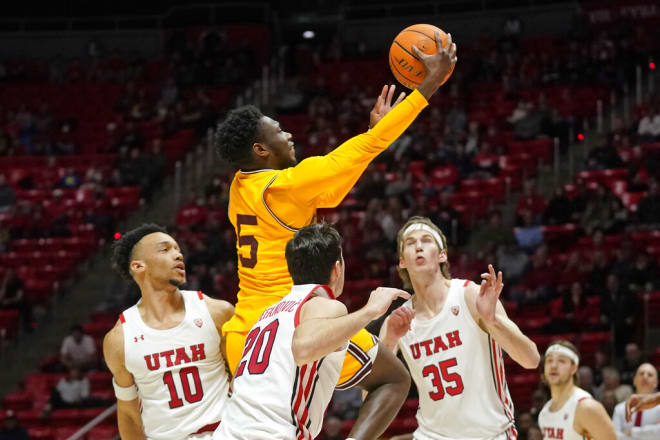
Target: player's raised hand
(381, 299)
(398, 323)
(438, 66)
(489, 293)
(384, 104)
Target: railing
(94, 422)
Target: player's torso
(273, 398)
(264, 219)
(180, 372)
(459, 373)
(559, 424)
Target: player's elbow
(302, 351)
(532, 359)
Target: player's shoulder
(588, 406)
(321, 307)
(218, 308)
(113, 341)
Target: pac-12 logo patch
(198, 322)
(454, 310)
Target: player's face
(278, 142)
(558, 369)
(162, 259)
(646, 379)
(421, 253)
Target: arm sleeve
(324, 181)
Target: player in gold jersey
(272, 196)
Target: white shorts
(506, 435)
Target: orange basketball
(405, 65)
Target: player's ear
(402, 264)
(443, 256)
(137, 266)
(336, 271)
(261, 150)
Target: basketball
(406, 67)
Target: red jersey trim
(200, 294)
(328, 290)
(121, 318)
(467, 283)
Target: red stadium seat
(103, 432)
(17, 401)
(43, 433)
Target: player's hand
(398, 323)
(489, 293)
(381, 299)
(437, 66)
(640, 402)
(384, 104)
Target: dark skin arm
(387, 388)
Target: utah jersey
(559, 424)
(273, 398)
(459, 374)
(179, 372)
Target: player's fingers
(420, 55)
(452, 50)
(383, 93)
(453, 60)
(402, 95)
(491, 270)
(390, 94)
(401, 294)
(499, 277)
(485, 276)
(447, 46)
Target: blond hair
(444, 267)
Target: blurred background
(541, 155)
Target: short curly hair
(122, 249)
(234, 137)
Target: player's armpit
(591, 420)
(221, 311)
(387, 387)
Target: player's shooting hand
(381, 299)
(384, 104)
(441, 63)
(398, 323)
(489, 293)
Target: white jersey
(643, 424)
(558, 425)
(459, 374)
(272, 397)
(179, 372)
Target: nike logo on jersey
(554, 433)
(431, 346)
(180, 354)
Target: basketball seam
(420, 32)
(393, 66)
(408, 52)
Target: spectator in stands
(598, 212)
(70, 179)
(512, 261)
(525, 421)
(571, 313)
(604, 157)
(131, 169)
(612, 382)
(71, 391)
(620, 308)
(648, 128)
(644, 275)
(534, 433)
(7, 196)
(539, 283)
(78, 350)
(586, 379)
(531, 201)
(12, 429)
(648, 208)
(528, 236)
(539, 397)
(644, 424)
(559, 209)
(12, 296)
(447, 218)
(631, 361)
(494, 233)
(332, 429)
(609, 402)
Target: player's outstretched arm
(484, 303)
(325, 324)
(387, 387)
(640, 402)
(591, 420)
(395, 327)
(129, 419)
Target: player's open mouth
(420, 259)
(180, 268)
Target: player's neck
(430, 294)
(560, 394)
(159, 305)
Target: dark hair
(234, 137)
(122, 249)
(77, 328)
(312, 253)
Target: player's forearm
(429, 86)
(521, 349)
(315, 338)
(387, 340)
(129, 429)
